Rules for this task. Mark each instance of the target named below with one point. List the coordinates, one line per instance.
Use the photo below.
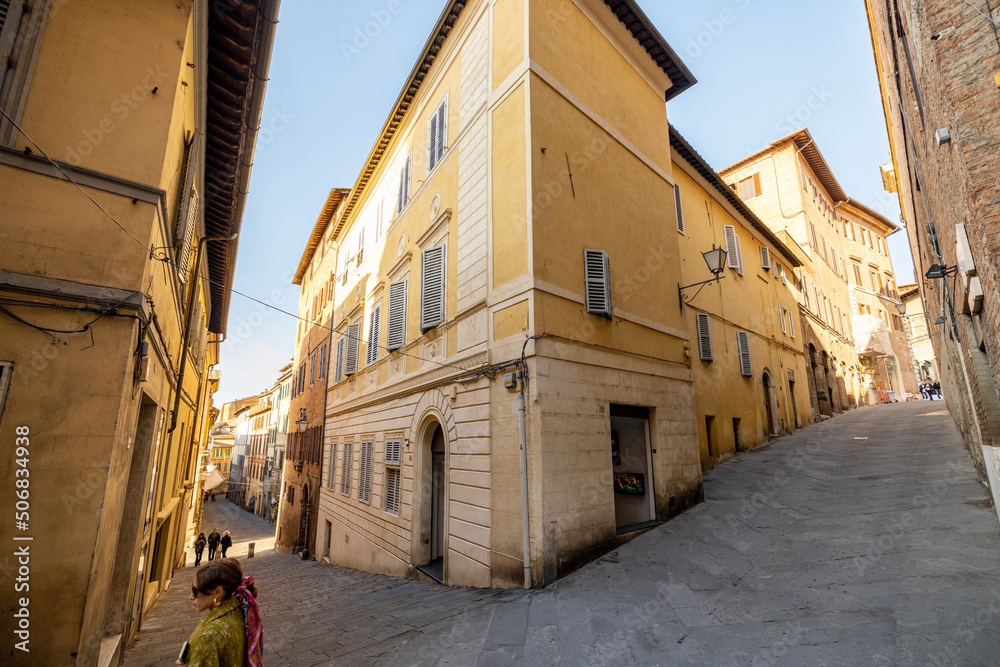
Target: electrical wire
(49, 331)
(166, 260)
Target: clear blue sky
(329, 93)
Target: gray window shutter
(704, 338)
(442, 134)
(765, 258)
(373, 334)
(597, 277)
(432, 139)
(10, 20)
(396, 336)
(392, 476)
(347, 469)
(432, 287)
(365, 473)
(743, 341)
(333, 467)
(403, 195)
(351, 357)
(393, 449)
(338, 373)
(680, 208)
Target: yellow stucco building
(792, 189)
(746, 352)
(522, 178)
(118, 219)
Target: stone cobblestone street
(867, 539)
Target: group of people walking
(930, 390)
(213, 542)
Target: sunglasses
(195, 592)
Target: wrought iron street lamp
(716, 261)
(901, 307)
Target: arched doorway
(433, 500)
(768, 409)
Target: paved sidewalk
(864, 540)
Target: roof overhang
(240, 38)
(333, 200)
(680, 146)
(628, 13)
(806, 145)
(637, 23)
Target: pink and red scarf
(251, 618)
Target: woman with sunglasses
(231, 635)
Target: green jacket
(220, 640)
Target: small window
(437, 133)
(784, 278)
(743, 343)
(374, 322)
(750, 187)
(680, 208)
(597, 279)
(396, 335)
(704, 338)
(365, 473)
(347, 470)
(322, 361)
(733, 257)
(312, 369)
(433, 288)
(765, 258)
(784, 322)
(403, 194)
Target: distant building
(918, 334)
(277, 439)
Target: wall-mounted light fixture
(302, 422)
(938, 271)
(716, 261)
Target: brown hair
(225, 572)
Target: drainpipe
(524, 484)
(187, 326)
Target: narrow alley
(867, 539)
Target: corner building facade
(520, 181)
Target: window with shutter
(332, 478)
(351, 356)
(403, 194)
(704, 338)
(680, 208)
(597, 278)
(733, 249)
(393, 451)
(437, 133)
(784, 278)
(365, 473)
(743, 342)
(396, 335)
(347, 469)
(765, 258)
(392, 475)
(781, 315)
(322, 361)
(338, 371)
(791, 327)
(432, 287)
(374, 323)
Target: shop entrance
(632, 467)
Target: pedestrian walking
(923, 390)
(226, 542)
(937, 389)
(231, 635)
(213, 543)
(199, 547)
